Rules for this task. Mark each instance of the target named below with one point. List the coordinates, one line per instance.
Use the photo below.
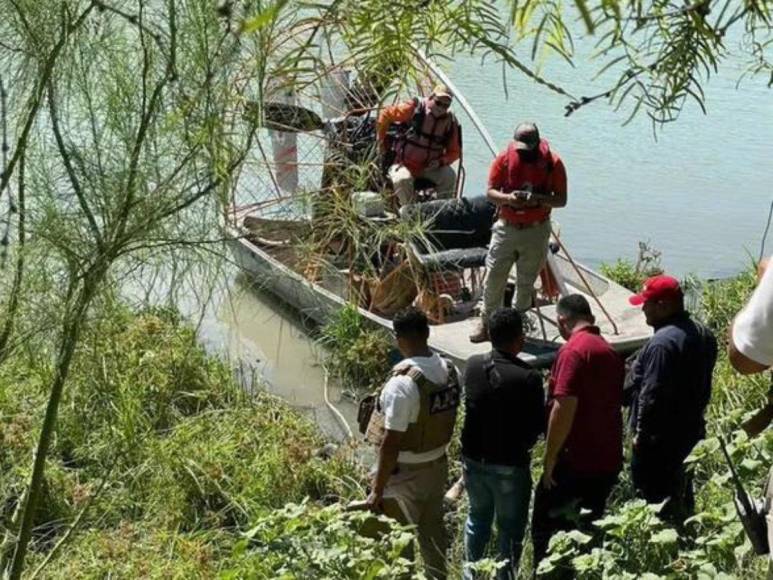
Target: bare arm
(759, 421)
(559, 426)
(554, 200)
(740, 362)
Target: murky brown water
(260, 333)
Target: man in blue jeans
(504, 416)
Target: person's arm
(566, 376)
(399, 402)
(557, 195)
(653, 394)
(560, 423)
(761, 419)
(739, 361)
(399, 113)
(454, 149)
(387, 461)
(536, 406)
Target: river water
(698, 190)
(700, 193)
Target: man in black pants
(670, 388)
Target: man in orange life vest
(526, 181)
(427, 146)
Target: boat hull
(320, 305)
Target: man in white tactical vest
(412, 425)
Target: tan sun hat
(442, 91)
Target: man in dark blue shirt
(504, 415)
(670, 387)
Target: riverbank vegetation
(124, 129)
(165, 466)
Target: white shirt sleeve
(400, 403)
(753, 327)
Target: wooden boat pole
(585, 281)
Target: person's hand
(515, 199)
(762, 267)
(375, 501)
(547, 474)
(434, 164)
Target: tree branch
(74, 181)
(35, 100)
(13, 304)
(74, 318)
(149, 112)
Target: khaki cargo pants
(526, 248)
(414, 495)
(443, 177)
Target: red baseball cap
(657, 288)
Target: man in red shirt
(584, 443)
(526, 181)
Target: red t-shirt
(507, 174)
(588, 368)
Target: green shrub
(136, 550)
(632, 275)
(633, 540)
(356, 354)
(722, 299)
(224, 468)
(186, 456)
(623, 272)
(300, 541)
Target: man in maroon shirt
(584, 443)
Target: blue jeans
(502, 491)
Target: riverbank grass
(164, 466)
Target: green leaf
(263, 19)
(578, 537)
(750, 464)
(585, 13)
(667, 536)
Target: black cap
(526, 137)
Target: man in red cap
(669, 389)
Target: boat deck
(319, 300)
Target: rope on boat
(336, 413)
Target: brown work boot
(480, 334)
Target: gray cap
(526, 137)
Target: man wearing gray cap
(526, 181)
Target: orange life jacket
(424, 139)
(534, 177)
